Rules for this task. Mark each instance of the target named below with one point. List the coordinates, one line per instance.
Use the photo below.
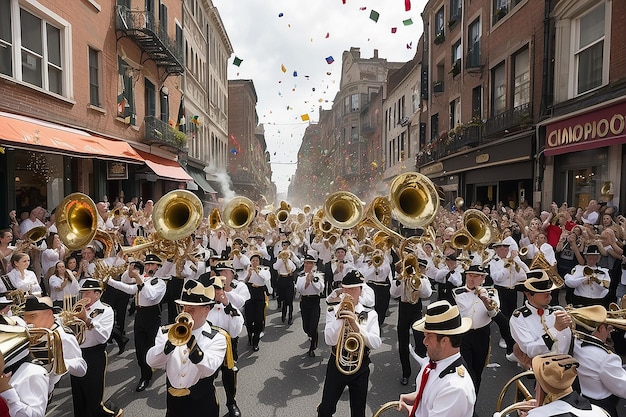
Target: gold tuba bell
(35, 235)
(239, 212)
(343, 210)
(47, 347)
(177, 214)
(179, 333)
(540, 262)
(414, 199)
(77, 220)
(350, 346)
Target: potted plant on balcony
(440, 37)
(180, 138)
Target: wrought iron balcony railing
(511, 119)
(159, 132)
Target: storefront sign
(432, 169)
(595, 129)
(482, 158)
(117, 170)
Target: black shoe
(290, 321)
(143, 384)
(255, 348)
(233, 410)
(404, 380)
(122, 345)
(312, 353)
(282, 318)
(249, 340)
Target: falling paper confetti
(295, 73)
(237, 61)
(327, 35)
(407, 22)
(329, 60)
(282, 68)
(305, 117)
(394, 30)
(280, 14)
(407, 5)
(409, 45)
(374, 15)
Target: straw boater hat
(443, 318)
(555, 372)
(537, 280)
(257, 254)
(196, 294)
(310, 258)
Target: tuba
(351, 345)
(414, 199)
(69, 317)
(239, 212)
(177, 214)
(540, 262)
(411, 276)
(77, 221)
(343, 210)
(35, 235)
(179, 333)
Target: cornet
(179, 333)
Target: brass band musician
(350, 321)
(258, 280)
(310, 284)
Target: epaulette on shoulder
(209, 335)
(96, 312)
(154, 281)
(459, 290)
(331, 307)
(524, 311)
(455, 367)
(587, 340)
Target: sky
(283, 46)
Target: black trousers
(118, 300)
(608, 403)
(310, 311)
(172, 293)
(474, 350)
(381, 297)
(407, 315)
(508, 300)
(286, 292)
(254, 312)
(147, 323)
(202, 401)
(336, 382)
(88, 390)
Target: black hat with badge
(353, 279)
(90, 284)
(422, 262)
(592, 250)
(476, 269)
(310, 258)
(451, 257)
(221, 266)
(34, 303)
(152, 259)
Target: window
(473, 44)
(455, 11)
(589, 50)
(33, 47)
(94, 77)
(346, 105)
(439, 21)
(150, 96)
(498, 93)
(125, 93)
(355, 102)
(434, 127)
(455, 113)
(477, 106)
(521, 79)
(456, 59)
(502, 7)
(415, 98)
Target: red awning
(27, 133)
(165, 168)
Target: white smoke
(224, 180)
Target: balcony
(510, 120)
(160, 133)
(151, 36)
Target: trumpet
(179, 333)
(259, 268)
(491, 294)
(591, 275)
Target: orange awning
(165, 168)
(27, 133)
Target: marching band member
(507, 270)
(340, 266)
(601, 375)
(443, 387)
(225, 315)
(260, 247)
(241, 262)
(218, 241)
(285, 267)
(590, 282)
(237, 292)
(538, 327)
(190, 368)
(88, 391)
(148, 291)
(410, 311)
(310, 284)
(361, 321)
(258, 280)
(23, 384)
(376, 272)
(480, 305)
(39, 312)
(449, 277)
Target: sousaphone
(76, 220)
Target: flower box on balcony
(439, 38)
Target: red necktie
(418, 398)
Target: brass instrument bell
(35, 235)
(179, 333)
(343, 210)
(76, 220)
(239, 212)
(177, 214)
(414, 199)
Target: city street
(281, 379)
